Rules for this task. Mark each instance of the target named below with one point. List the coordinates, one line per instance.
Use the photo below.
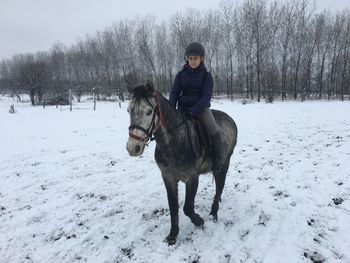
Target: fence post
(94, 91)
(70, 99)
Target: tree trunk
(32, 96)
(321, 78)
(258, 75)
(284, 78)
(296, 77)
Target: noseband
(152, 127)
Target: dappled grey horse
(177, 148)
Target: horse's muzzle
(135, 148)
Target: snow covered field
(69, 192)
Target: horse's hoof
(170, 240)
(215, 217)
(198, 221)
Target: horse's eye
(149, 112)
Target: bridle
(153, 127)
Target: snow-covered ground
(69, 192)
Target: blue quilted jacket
(192, 89)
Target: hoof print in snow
(71, 236)
(264, 178)
(229, 223)
(244, 234)
(338, 201)
(156, 213)
(80, 258)
(159, 212)
(56, 237)
(102, 197)
(315, 257)
(263, 219)
(280, 194)
(317, 240)
(194, 259)
(84, 196)
(127, 252)
(311, 222)
(339, 138)
(189, 238)
(26, 207)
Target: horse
(152, 117)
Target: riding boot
(216, 151)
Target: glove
(187, 114)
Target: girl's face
(194, 61)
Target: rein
(169, 129)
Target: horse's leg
(220, 177)
(191, 190)
(171, 188)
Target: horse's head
(143, 110)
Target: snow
(69, 192)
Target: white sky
(33, 25)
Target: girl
(192, 92)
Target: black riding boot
(216, 151)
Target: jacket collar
(199, 68)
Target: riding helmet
(195, 49)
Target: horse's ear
(149, 86)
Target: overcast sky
(33, 25)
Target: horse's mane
(141, 92)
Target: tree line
(254, 49)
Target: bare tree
(254, 48)
(228, 26)
(144, 36)
(284, 37)
(323, 44)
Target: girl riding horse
(192, 92)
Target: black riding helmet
(194, 49)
